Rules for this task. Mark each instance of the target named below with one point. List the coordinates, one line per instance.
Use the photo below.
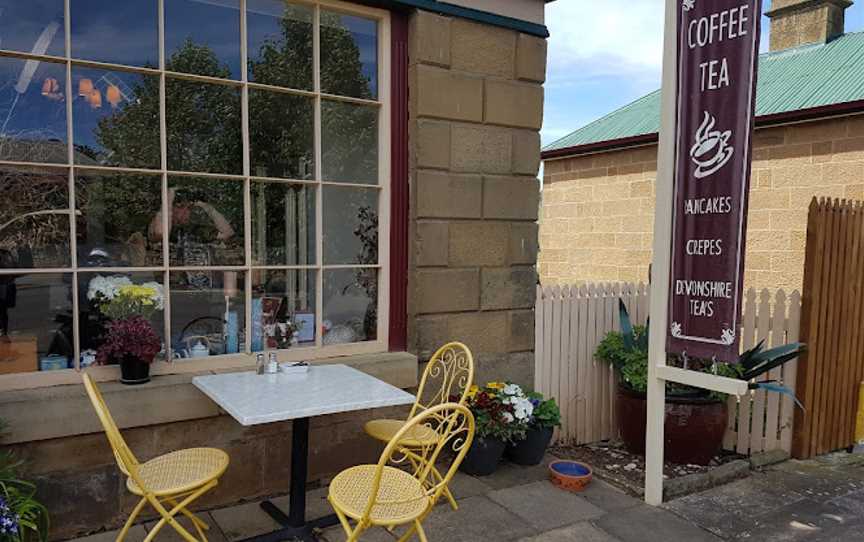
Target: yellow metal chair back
(406, 499)
(126, 460)
(448, 375)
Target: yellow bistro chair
(181, 476)
(449, 373)
(386, 496)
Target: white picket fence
(570, 321)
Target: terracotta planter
(693, 432)
(133, 371)
(531, 449)
(483, 457)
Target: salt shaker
(272, 364)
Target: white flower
(508, 418)
(512, 389)
(106, 288)
(522, 408)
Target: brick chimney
(801, 22)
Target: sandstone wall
(476, 110)
(598, 210)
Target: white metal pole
(660, 269)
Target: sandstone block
(511, 198)
(482, 49)
(531, 58)
(444, 94)
(526, 152)
(514, 104)
(442, 195)
(433, 144)
(479, 243)
(432, 243)
(524, 243)
(430, 38)
(508, 288)
(521, 331)
(447, 290)
(480, 149)
(482, 332)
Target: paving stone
(244, 520)
(168, 534)
(478, 518)
(509, 475)
(375, 534)
(463, 486)
(583, 532)
(316, 503)
(730, 510)
(637, 523)
(136, 533)
(545, 506)
(607, 497)
(807, 519)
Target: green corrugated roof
(793, 80)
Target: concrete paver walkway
(516, 503)
(814, 501)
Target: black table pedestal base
(294, 524)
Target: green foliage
(19, 496)
(546, 412)
(627, 352)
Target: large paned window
(227, 155)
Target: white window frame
(243, 360)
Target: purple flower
(8, 519)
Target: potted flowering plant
(501, 413)
(22, 517)
(546, 416)
(130, 339)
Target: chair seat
(385, 430)
(351, 488)
(183, 470)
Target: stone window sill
(64, 411)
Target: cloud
(592, 38)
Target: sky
(605, 54)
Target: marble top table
(254, 399)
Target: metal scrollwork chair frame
(386, 496)
(447, 377)
(169, 483)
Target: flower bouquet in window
(130, 339)
(545, 417)
(502, 413)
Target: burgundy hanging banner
(718, 51)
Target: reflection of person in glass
(193, 226)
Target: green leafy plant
(546, 412)
(22, 517)
(627, 352)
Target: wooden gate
(832, 326)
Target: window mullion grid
(319, 207)
(163, 152)
(247, 182)
(70, 157)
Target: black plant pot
(134, 371)
(531, 450)
(483, 457)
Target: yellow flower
(472, 391)
(496, 385)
